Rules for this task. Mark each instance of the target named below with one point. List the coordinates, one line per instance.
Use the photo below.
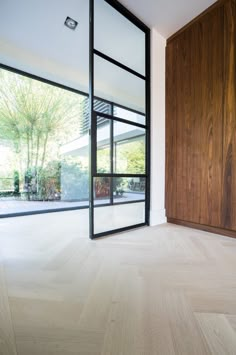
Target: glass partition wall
(120, 75)
(74, 129)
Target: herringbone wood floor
(165, 290)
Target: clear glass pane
(103, 145)
(128, 189)
(101, 106)
(117, 85)
(118, 38)
(44, 146)
(129, 149)
(119, 216)
(129, 115)
(102, 190)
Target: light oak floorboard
(218, 333)
(7, 337)
(167, 290)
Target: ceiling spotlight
(70, 23)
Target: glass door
(119, 119)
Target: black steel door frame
(93, 119)
(92, 148)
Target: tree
(130, 157)
(35, 118)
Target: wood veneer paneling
(201, 121)
(196, 19)
(211, 140)
(171, 87)
(229, 120)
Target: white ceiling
(33, 38)
(167, 16)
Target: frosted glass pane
(118, 38)
(114, 217)
(117, 85)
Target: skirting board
(216, 230)
(157, 217)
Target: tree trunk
(28, 166)
(44, 151)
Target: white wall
(157, 211)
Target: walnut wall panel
(171, 88)
(212, 78)
(229, 122)
(200, 121)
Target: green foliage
(35, 118)
(103, 160)
(16, 180)
(48, 182)
(74, 180)
(6, 186)
(131, 157)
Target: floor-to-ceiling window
(44, 106)
(41, 126)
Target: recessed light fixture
(70, 23)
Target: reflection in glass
(129, 115)
(102, 188)
(118, 216)
(101, 106)
(117, 37)
(44, 146)
(129, 149)
(103, 145)
(117, 85)
(128, 189)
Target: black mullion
(121, 175)
(92, 134)
(118, 64)
(119, 230)
(128, 15)
(41, 79)
(118, 119)
(119, 203)
(129, 109)
(148, 122)
(118, 105)
(94, 144)
(63, 87)
(45, 211)
(112, 154)
(115, 154)
(134, 137)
